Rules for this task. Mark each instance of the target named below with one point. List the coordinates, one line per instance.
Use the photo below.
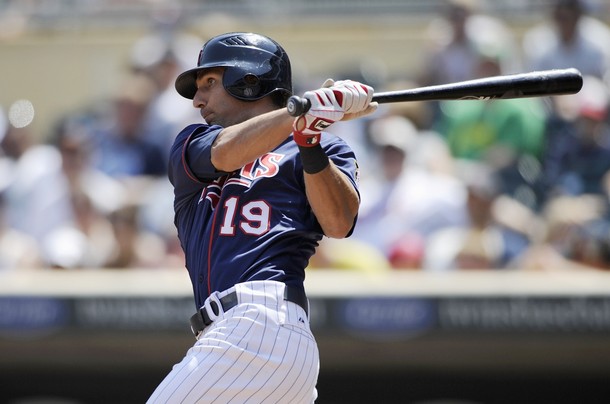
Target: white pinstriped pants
(260, 351)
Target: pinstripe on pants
(261, 351)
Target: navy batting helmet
(255, 66)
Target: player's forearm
(333, 200)
(243, 143)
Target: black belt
(201, 319)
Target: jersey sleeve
(190, 164)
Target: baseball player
(255, 190)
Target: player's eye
(206, 81)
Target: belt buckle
(213, 307)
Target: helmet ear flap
(243, 86)
(252, 87)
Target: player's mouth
(206, 115)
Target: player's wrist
(305, 132)
(307, 138)
(313, 158)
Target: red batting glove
(306, 136)
(307, 140)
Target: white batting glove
(326, 109)
(357, 98)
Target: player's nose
(199, 100)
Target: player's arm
(331, 194)
(240, 144)
(333, 199)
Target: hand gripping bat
(524, 85)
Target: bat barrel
(523, 85)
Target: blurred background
(477, 272)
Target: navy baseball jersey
(260, 212)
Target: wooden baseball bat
(523, 85)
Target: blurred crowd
(450, 185)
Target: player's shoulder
(195, 128)
(330, 140)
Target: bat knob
(297, 106)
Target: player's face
(216, 105)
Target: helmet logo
(252, 85)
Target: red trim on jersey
(185, 166)
(210, 250)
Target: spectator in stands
(155, 218)
(17, 249)
(592, 247)
(570, 38)
(410, 194)
(408, 252)
(456, 38)
(122, 148)
(106, 230)
(37, 199)
(565, 236)
(577, 157)
(136, 247)
(161, 56)
(472, 129)
(485, 242)
(86, 241)
(75, 143)
(575, 177)
(507, 134)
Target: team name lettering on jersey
(266, 166)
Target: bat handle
(297, 106)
